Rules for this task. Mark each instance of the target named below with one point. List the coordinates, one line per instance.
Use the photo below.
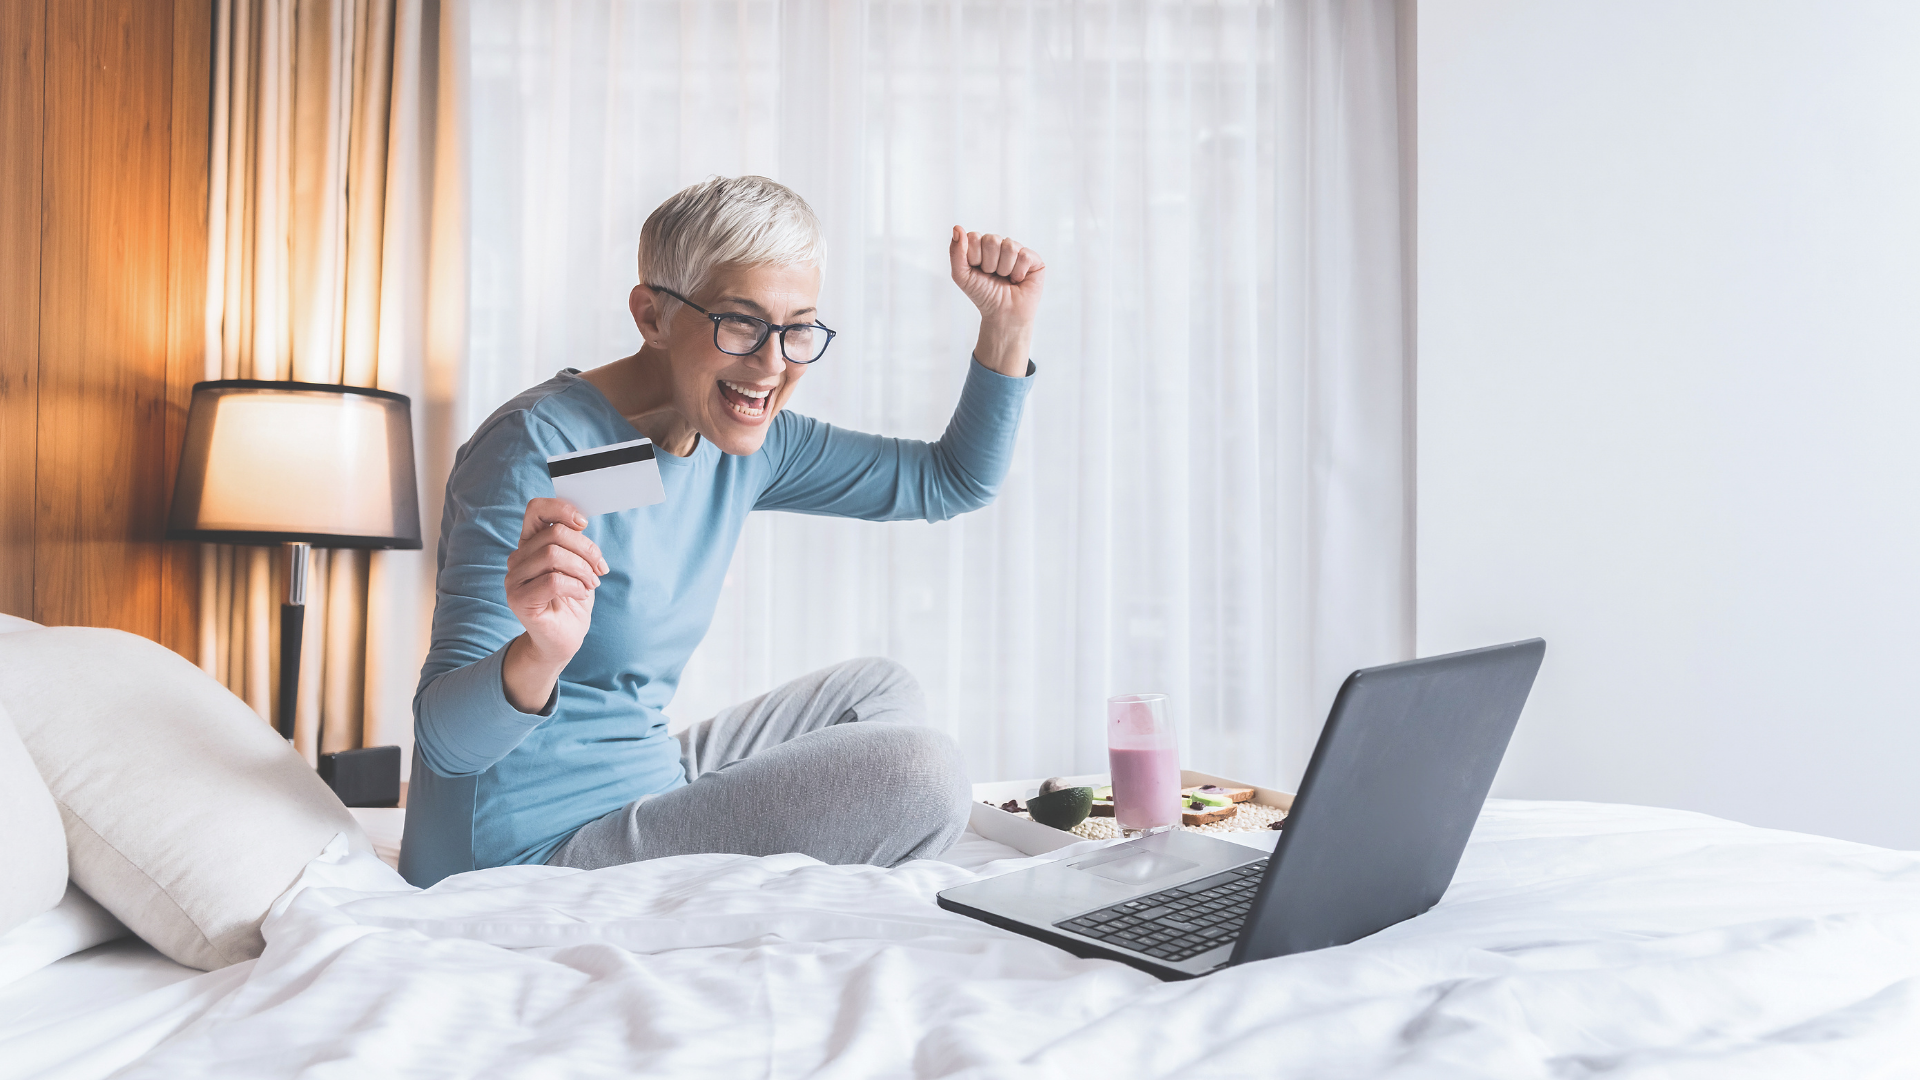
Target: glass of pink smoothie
(1145, 756)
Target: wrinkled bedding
(1577, 940)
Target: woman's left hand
(1004, 280)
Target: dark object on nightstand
(366, 777)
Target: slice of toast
(1237, 794)
(1189, 816)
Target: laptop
(1392, 791)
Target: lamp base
(293, 619)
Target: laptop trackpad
(1136, 867)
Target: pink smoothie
(1146, 787)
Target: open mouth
(749, 401)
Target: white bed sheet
(86, 982)
(1577, 940)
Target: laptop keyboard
(1180, 922)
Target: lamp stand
(293, 619)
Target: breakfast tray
(1017, 830)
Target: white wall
(1669, 408)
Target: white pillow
(185, 815)
(33, 846)
(74, 924)
(10, 623)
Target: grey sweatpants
(832, 765)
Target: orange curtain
(336, 257)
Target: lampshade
(285, 462)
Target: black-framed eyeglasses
(742, 335)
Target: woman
(558, 639)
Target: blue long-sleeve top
(492, 785)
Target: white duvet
(1577, 940)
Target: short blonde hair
(721, 221)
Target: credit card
(608, 479)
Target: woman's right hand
(550, 581)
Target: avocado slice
(1062, 808)
(1197, 799)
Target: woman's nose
(768, 357)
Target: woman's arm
(514, 598)
(820, 469)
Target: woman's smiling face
(731, 400)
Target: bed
(1577, 940)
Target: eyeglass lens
(741, 335)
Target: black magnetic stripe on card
(626, 455)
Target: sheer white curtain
(1210, 497)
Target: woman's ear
(645, 307)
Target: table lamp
(299, 465)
